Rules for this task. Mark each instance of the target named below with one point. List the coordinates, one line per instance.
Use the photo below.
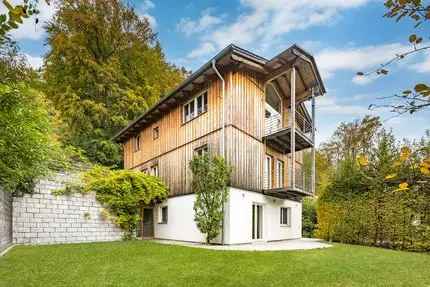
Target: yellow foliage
(403, 186)
(363, 160)
(405, 152)
(391, 176)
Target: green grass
(150, 264)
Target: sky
(345, 36)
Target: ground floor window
(285, 216)
(163, 215)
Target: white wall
(180, 223)
(239, 217)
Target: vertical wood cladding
(172, 151)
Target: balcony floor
(287, 193)
(281, 140)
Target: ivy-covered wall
(44, 218)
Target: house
(237, 105)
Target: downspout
(222, 135)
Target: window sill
(285, 225)
(162, 222)
(198, 116)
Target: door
(148, 222)
(257, 221)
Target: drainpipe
(222, 133)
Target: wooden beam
(301, 79)
(293, 126)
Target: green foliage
(16, 14)
(26, 146)
(383, 200)
(210, 178)
(124, 192)
(309, 217)
(104, 68)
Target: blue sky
(345, 36)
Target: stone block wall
(5, 219)
(43, 218)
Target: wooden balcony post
(313, 142)
(293, 127)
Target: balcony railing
(303, 179)
(274, 124)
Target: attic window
(195, 107)
(155, 133)
(136, 143)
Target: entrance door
(257, 221)
(148, 222)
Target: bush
(124, 192)
(309, 217)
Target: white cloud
(29, 30)
(423, 66)
(143, 11)
(357, 59)
(34, 61)
(265, 21)
(328, 105)
(204, 49)
(205, 22)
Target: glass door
(257, 221)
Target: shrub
(124, 192)
(309, 217)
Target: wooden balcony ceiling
(295, 194)
(281, 140)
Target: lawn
(146, 263)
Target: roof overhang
(232, 54)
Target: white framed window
(202, 150)
(268, 172)
(163, 214)
(136, 143)
(154, 170)
(285, 216)
(195, 107)
(280, 171)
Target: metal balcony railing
(274, 124)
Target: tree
(351, 139)
(210, 179)
(418, 98)
(104, 68)
(16, 14)
(27, 145)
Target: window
(201, 150)
(285, 216)
(162, 214)
(154, 170)
(268, 172)
(155, 133)
(136, 143)
(196, 107)
(145, 170)
(280, 173)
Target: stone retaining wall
(5, 219)
(43, 218)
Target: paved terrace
(292, 244)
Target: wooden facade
(244, 131)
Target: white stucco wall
(239, 217)
(180, 224)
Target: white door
(257, 221)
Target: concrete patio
(292, 244)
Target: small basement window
(154, 170)
(163, 215)
(195, 107)
(285, 216)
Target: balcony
(278, 136)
